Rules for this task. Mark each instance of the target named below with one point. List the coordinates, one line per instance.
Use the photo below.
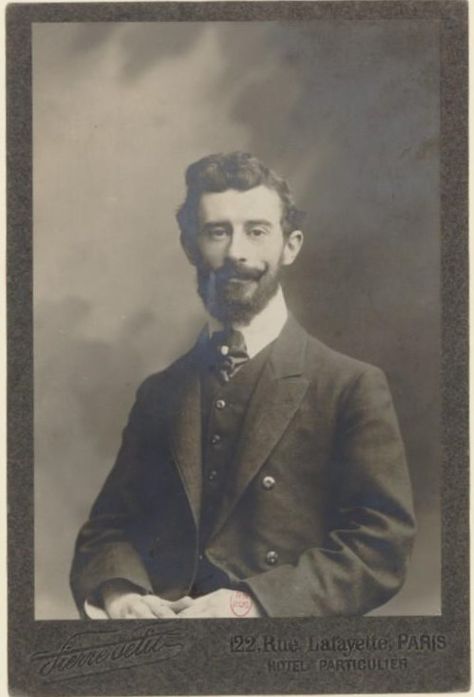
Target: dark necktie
(230, 353)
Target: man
(262, 465)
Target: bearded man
(261, 466)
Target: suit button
(220, 404)
(224, 350)
(216, 439)
(268, 482)
(212, 475)
(272, 557)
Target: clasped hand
(125, 604)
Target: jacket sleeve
(363, 560)
(104, 550)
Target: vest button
(268, 482)
(220, 404)
(212, 475)
(215, 439)
(272, 557)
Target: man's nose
(238, 246)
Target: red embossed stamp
(240, 603)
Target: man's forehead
(256, 203)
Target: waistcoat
(223, 407)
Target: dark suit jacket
(339, 516)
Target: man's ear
(293, 244)
(189, 249)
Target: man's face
(240, 251)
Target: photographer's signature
(93, 652)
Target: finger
(124, 611)
(141, 610)
(158, 606)
(118, 607)
(165, 613)
(181, 604)
(154, 601)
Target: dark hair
(235, 170)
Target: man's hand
(122, 602)
(221, 603)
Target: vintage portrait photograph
(241, 222)
(239, 338)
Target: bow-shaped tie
(229, 352)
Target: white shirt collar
(263, 328)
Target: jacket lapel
(184, 425)
(277, 396)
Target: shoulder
(169, 379)
(339, 372)
(349, 384)
(178, 369)
(321, 357)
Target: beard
(235, 293)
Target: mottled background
(348, 111)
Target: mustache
(235, 270)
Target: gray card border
(196, 658)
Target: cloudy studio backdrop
(347, 111)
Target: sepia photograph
(172, 164)
(233, 344)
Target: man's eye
(217, 233)
(257, 231)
